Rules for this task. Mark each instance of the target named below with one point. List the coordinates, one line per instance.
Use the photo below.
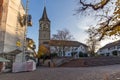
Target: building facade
(11, 29)
(68, 48)
(111, 49)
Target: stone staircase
(57, 61)
(62, 60)
(92, 61)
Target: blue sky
(60, 12)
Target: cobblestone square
(82, 73)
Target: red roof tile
(66, 43)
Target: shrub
(53, 55)
(85, 55)
(81, 54)
(73, 53)
(114, 53)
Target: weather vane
(44, 2)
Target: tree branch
(96, 6)
(106, 28)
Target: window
(118, 47)
(46, 42)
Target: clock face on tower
(45, 27)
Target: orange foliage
(42, 50)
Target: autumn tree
(62, 36)
(42, 51)
(109, 24)
(92, 41)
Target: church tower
(44, 29)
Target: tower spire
(44, 15)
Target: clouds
(86, 22)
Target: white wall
(14, 31)
(68, 52)
(106, 50)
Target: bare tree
(92, 41)
(61, 37)
(109, 25)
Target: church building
(57, 46)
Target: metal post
(25, 31)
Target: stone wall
(92, 61)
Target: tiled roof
(66, 43)
(116, 43)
